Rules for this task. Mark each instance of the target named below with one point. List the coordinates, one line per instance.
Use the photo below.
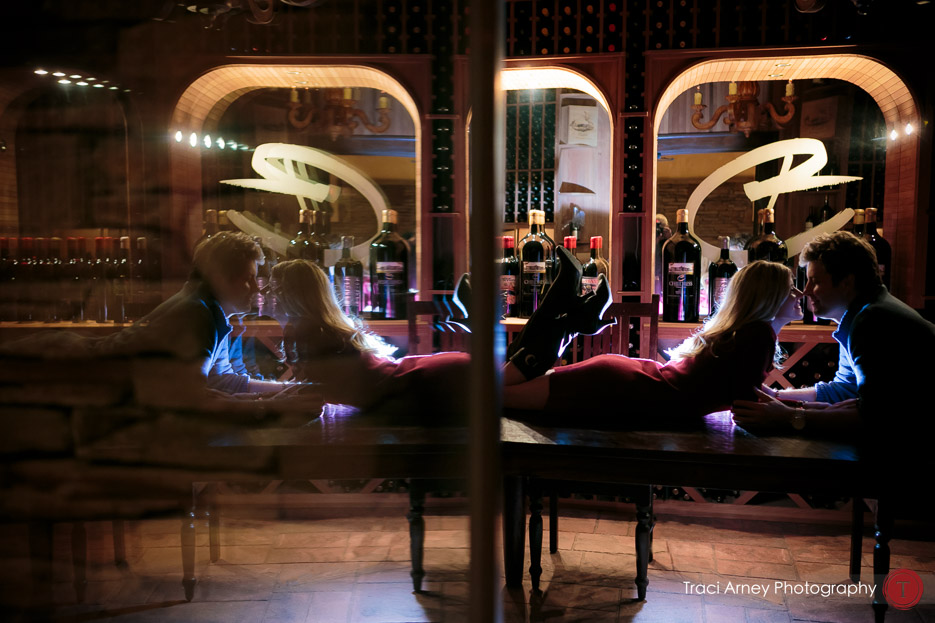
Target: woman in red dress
(726, 360)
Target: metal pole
(486, 171)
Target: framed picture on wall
(819, 118)
(579, 125)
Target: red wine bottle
(300, 247)
(719, 276)
(681, 268)
(389, 271)
(317, 239)
(509, 277)
(594, 267)
(348, 279)
(767, 246)
(534, 253)
(880, 245)
(860, 227)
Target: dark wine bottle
(100, 275)
(880, 245)
(594, 267)
(43, 282)
(719, 275)
(24, 274)
(767, 246)
(348, 279)
(859, 223)
(509, 277)
(681, 268)
(534, 253)
(300, 247)
(120, 283)
(389, 271)
(7, 295)
(58, 309)
(317, 239)
(825, 212)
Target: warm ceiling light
(90, 79)
(193, 139)
(908, 129)
(111, 88)
(178, 136)
(58, 74)
(207, 141)
(894, 135)
(41, 72)
(783, 64)
(294, 73)
(98, 86)
(64, 81)
(220, 143)
(82, 83)
(75, 76)
(774, 76)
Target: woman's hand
(769, 391)
(762, 416)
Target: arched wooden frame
(904, 223)
(205, 100)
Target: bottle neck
(769, 228)
(388, 226)
(682, 228)
(508, 252)
(595, 253)
(534, 228)
(725, 254)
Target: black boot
(587, 317)
(545, 336)
(462, 298)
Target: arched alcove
(902, 216)
(204, 102)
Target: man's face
(235, 292)
(828, 300)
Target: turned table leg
(416, 533)
(857, 535)
(514, 530)
(644, 535)
(535, 532)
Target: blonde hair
(304, 291)
(754, 294)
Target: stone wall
(725, 212)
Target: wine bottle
(880, 245)
(719, 275)
(594, 267)
(681, 267)
(300, 247)
(58, 308)
(551, 266)
(767, 246)
(348, 279)
(859, 223)
(120, 282)
(317, 240)
(389, 271)
(100, 275)
(534, 253)
(509, 275)
(825, 212)
(43, 282)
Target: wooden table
(712, 453)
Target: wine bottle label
(390, 273)
(352, 292)
(534, 267)
(390, 267)
(682, 268)
(718, 289)
(508, 288)
(589, 284)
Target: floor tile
(389, 603)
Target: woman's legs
(532, 394)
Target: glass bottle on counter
(535, 254)
(767, 246)
(389, 271)
(826, 212)
(7, 296)
(300, 247)
(860, 227)
(317, 240)
(100, 278)
(349, 279)
(719, 275)
(880, 245)
(24, 275)
(43, 286)
(509, 277)
(594, 267)
(120, 283)
(681, 269)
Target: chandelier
(336, 113)
(743, 108)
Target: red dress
(427, 385)
(639, 388)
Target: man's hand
(765, 415)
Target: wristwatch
(798, 418)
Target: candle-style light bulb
(698, 96)
(732, 88)
(790, 89)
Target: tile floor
(350, 568)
